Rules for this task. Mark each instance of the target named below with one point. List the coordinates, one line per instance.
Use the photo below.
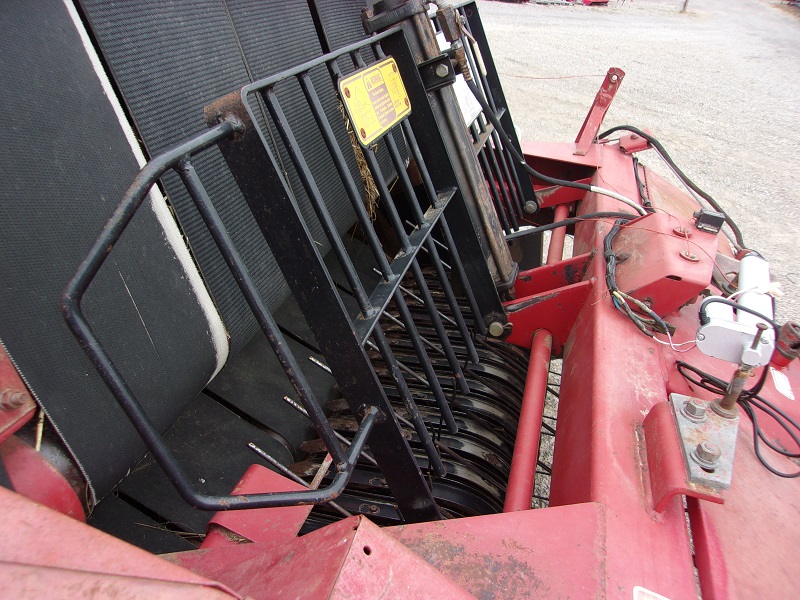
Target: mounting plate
(712, 428)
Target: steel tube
(526, 446)
(555, 252)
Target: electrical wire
(570, 221)
(737, 306)
(489, 114)
(750, 400)
(681, 175)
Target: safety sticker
(640, 593)
(782, 383)
(375, 99)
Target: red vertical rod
(526, 447)
(555, 252)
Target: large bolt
(442, 71)
(695, 409)
(531, 207)
(707, 455)
(496, 329)
(11, 399)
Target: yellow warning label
(376, 99)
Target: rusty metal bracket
(591, 126)
(665, 463)
(17, 406)
(387, 13)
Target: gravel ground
(719, 86)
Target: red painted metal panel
(35, 478)
(54, 545)
(555, 252)
(260, 525)
(549, 277)
(549, 553)
(350, 559)
(555, 311)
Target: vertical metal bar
(388, 202)
(510, 184)
(498, 203)
(411, 139)
(256, 172)
(314, 195)
(498, 178)
(416, 271)
(235, 263)
(425, 363)
(344, 172)
(526, 445)
(408, 400)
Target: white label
(640, 593)
(782, 383)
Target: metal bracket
(665, 466)
(388, 13)
(437, 73)
(597, 112)
(708, 441)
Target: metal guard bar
(76, 321)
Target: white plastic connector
(729, 336)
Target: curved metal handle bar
(76, 321)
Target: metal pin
(320, 364)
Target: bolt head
(496, 329)
(709, 451)
(695, 409)
(531, 207)
(442, 71)
(11, 399)
(690, 256)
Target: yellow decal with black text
(376, 99)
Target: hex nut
(707, 455)
(695, 409)
(442, 71)
(11, 399)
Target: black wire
(489, 114)
(640, 184)
(570, 221)
(737, 233)
(750, 400)
(737, 306)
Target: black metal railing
(509, 186)
(179, 159)
(242, 124)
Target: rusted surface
(550, 277)
(17, 406)
(517, 555)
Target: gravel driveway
(719, 86)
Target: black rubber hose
(570, 221)
(737, 233)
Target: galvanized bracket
(665, 467)
(708, 441)
(437, 73)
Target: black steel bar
(441, 332)
(265, 320)
(498, 179)
(437, 263)
(388, 203)
(510, 184)
(290, 475)
(425, 362)
(425, 341)
(314, 195)
(450, 244)
(405, 395)
(344, 172)
(498, 203)
(255, 170)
